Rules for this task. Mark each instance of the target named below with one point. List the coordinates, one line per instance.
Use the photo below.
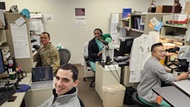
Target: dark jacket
(93, 51)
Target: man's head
(98, 33)
(158, 51)
(66, 78)
(45, 38)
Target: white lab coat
(140, 52)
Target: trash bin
(113, 95)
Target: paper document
(2, 18)
(80, 21)
(115, 18)
(20, 21)
(20, 41)
(36, 15)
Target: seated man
(152, 75)
(48, 55)
(65, 92)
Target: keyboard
(121, 58)
(6, 94)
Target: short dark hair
(71, 67)
(155, 45)
(46, 33)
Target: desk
(104, 78)
(33, 97)
(184, 86)
(20, 96)
(173, 96)
(125, 73)
(39, 93)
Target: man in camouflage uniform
(48, 54)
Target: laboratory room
(94, 53)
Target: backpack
(128, 95)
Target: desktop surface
(6, 95)
(42, 84)
(20, 96)
(184, 86)
(173, 96)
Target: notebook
(42, 73)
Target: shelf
(137, 30)
(138, 14)
(126, 20)
(5, 51)
(181, 38)
(177, 26)
(3, 41)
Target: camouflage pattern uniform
(49, 56)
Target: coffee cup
(21, 75)
(12, 75)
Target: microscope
(183, 58)
(108, 53)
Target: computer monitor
(42, 73)
(125, 46)
(2, 6)
(2, 67)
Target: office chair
(87, 67)
(81, 102)
(64, 55)
(136, 99)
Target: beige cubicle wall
(126, 76)
(36, 97)
(25, 63)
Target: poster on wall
(79, 11)
(80, 16)
(80, 21)
(48, 17)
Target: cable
(114, 74)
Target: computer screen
(42, 73)
(2, 67)
(125, 46)
(2, 6)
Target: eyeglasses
(43, 37)
(162, 51)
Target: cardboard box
(168, 9)
(176, 9)
(164, 9)
(187, 9)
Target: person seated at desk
(65, 92)
(47, 55)
(95, 47)
(152, 75)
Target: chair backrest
(85, 51)
(85, 56)
(81, 102)
(64, 55)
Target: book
(126, 12)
